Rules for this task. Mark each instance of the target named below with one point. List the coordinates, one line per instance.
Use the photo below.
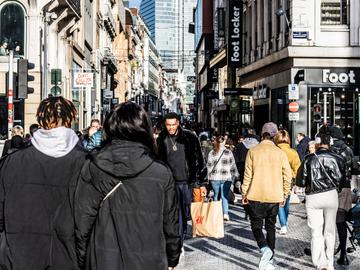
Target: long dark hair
(130, 122)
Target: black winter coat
(194, 158)
(144, 208)
(36, 209)
(339, 147)
(312, 176)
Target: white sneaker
(265, 258)
(182, 254)
(283, 230)
(226, 217)
(270, 265)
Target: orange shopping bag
(207, 219)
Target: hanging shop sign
(260, 92)
(83, 79)
(234, 38)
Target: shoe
(270, 265)
(283, 230)
(307, 251)
(226, 217)
(267, 254)
(343, 260)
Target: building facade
(305, 52)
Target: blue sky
(135, 3)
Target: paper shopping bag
(207, 219)
(294, 198)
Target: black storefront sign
(214, 75)
(234, 36)
(237, 91)
(334, 76)
(221, 22)
(211, 94)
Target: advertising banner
(234, 34)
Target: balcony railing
(75, 5)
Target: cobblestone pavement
(238, 249)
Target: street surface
(238, 249)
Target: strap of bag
(113, 190)
(327, 175)
(216, 163)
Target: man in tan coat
(267, 181)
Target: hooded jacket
(36, 203)
(144, 210)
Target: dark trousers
(258, 212)
(342, 230)
(184, 195)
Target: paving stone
(238, 249)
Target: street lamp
(280, 12)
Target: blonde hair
(282, 137)
(17, 130)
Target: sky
(135, 3)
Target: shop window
(12, 28)
(334, 12)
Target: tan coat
(292, 156)
(267, 174)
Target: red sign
(293, 106)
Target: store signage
(191, 78)
(293, 106)
(232, 91)
(235, 105)
(293, 91)
(300, 34)
(83, 79)
(294, 116)
(214, 75)
(211, 94)
(234, 38)
(108, 94)
(221, 21)
(334, 77)
(260, 93)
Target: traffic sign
(293, 106)
(293, 91)
(294, 116)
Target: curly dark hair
(54, 111)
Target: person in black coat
(180, 149)
(16, 142)
(36, 194)
(145, 220)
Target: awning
(220, 56)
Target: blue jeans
(284, 213)
(223, 187)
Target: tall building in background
(168, 22)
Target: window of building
(12, 28)
(334, 12)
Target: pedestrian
(339, 147)
(282, 140)
(302, 144)
(322, 174)
(144, 209)
(240, 153)
(267, 182)
(93, 136)
(37, 191)
(222, 170)
(311, 149)
(16, 142)
(180, 150)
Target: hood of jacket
(122, 159)
(250, 142)
(56, 142)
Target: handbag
(104, 252)
(327, 175)
(207, 219)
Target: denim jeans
(284, 213)
(223, 187)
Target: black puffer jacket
(36, 209)
(312, 176)
(194, 158)
(144, 209)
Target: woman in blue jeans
(282, 140)
(221, 170)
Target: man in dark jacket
(180, 149)
(302, 145)
(36, 194)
